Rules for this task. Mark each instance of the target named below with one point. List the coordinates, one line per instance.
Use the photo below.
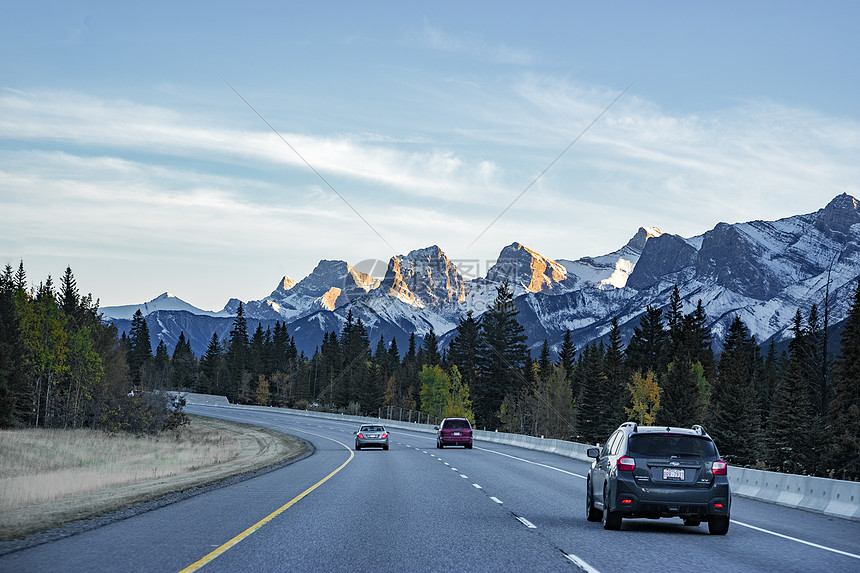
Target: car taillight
(626, 464)
(720, 468)
(360, 435)
(384, 436)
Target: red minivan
(454, 432)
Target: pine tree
(790, 425)
(502, 358)
(236, 359)
(430, 350)
(647, 347)
(20, 283)
(616, 373)
(15, 398)
(545, 364)
(680, 404)
(463, 350)
(734, 421)
(184, 365)
(211, 377)
(591, 402)
(567, 355)
(815, 360)
(844, 414)
(69, 296)
(698, 337)
(257, 353)
(156, 373)
(139, 347)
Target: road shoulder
(261, 450)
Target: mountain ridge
(762, 271)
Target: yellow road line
(203, 561)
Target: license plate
(456, 433)
(673, 473)
(372, 436)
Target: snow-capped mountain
(528, 271)
(763, 271)
(165, 302)
(331, 285)
(610, 271)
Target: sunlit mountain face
(762, 271)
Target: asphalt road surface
(416, 508)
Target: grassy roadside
(51, 477)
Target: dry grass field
(50, 477)
(37, 466)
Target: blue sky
(125, 154)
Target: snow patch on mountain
(611, 271)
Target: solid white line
(526, 522)
(855, 556)
(476, 486)
(582, 564)
(533, 463)
(497, 500)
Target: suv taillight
(626, 464)
(719, 467)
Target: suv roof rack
(633, 425)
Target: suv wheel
(591, 514)
(718, 525)
(611, 519)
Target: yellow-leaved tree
(645, 396)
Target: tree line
(61, 366)
(796, 411)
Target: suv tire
(611, 519)
(718, 525)
(591, 513)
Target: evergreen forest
(794, 411)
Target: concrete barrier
(836, 498)
(828, 496)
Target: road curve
(417, 508)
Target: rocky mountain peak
(285, 284)
(637, 242)
(424, 277)
(526, 269)
(839, 215)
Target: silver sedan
(372, 435)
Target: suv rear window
(450, 424)
(665, 445)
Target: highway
(417, 508)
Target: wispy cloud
(476, 48)
(78, 119)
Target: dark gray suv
(652, 472)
